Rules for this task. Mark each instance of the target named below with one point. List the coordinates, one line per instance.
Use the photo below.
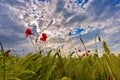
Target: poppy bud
(83, 55)
(79, 50)
(88, 51)
(7, 54)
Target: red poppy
(28, 32)
(79, 50)
(44, 37)
(83, 55)
(7, 54)
(88, 51)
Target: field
(54, 66)
(59, 39)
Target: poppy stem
(2, 50)
(33, 44)
(45, 46)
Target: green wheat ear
(83, 45)
(106, 49)
(48, 55)
(98, 37)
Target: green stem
(3, 58)
(33, 44)
(39, 47)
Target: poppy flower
(28, 32)
(79, 50)
(88, 51)
(7, 54)
(83, 55)
(44, 37)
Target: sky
(63, 21)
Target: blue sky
(58, 18)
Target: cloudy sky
(58, 18)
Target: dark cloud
(10, 30)
(103, 9)
(77, 18)
(91, 35)
(60, 6)
(12, 2)
(3, 10)
(67, 14)
(115, 38)
(57, 40)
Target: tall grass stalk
(2, 50)
(83, 44)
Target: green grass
(56, 67)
